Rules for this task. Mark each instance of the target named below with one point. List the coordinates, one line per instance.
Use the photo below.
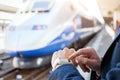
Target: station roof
(107, 7)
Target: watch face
(62, 61)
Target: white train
(41, 29)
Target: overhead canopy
(10, 6)
(107, 7)
(90, 10)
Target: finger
(74, 55)
(83, 51)
(74, 62)
(88, 62)
(84, 68)
(80, 61)
(66, 52)
(72, 50)
(78, 53)
(73, 58)
(65, 48)
(92, 63)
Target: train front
(29, 37)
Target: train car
(40, 30)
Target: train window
(11, 28)
(41, 5)
(39, 27)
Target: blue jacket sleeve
(114, 73)
(66, 72)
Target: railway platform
(100, 43)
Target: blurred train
(43, 28)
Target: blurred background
(32, 30)
(108, 9)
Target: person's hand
(87, 59)
(64, 54)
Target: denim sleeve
(66, 72)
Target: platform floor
(102, 40)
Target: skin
(86, 58)
(65, 54)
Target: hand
(87, 59)
(64, 54)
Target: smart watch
(60, 61)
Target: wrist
(60, 61)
